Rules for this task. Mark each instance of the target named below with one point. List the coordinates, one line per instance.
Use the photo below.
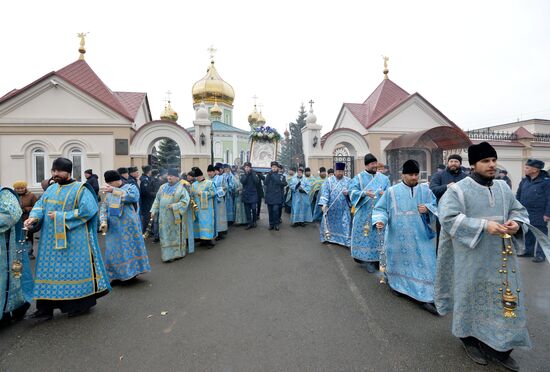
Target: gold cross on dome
(212, 51)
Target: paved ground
(261, 301)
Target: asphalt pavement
(261, 301)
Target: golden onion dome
(212, 88)
(216, 111)
(253, 117)
(169, 113)
(261, 119)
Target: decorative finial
(311, 102)
(82, 49)
(386, 59)
(212, 51)
(255, 98)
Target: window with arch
(75, 154)
(38, 165)
(218, 149)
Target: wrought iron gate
(350, 164)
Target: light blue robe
(240, 212)
(15, 288)
(204, 194)
(230, 197)
(125, 252)
(69, 265)
(191, 216)
(219, 205)
(301, 208)
(469, 260)
(338, 218)
(409, 239)
(365, 248)
(171, 205)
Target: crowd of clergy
(451, 244)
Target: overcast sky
(479, 62)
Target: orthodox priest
(171, 205)
(16, 282)
(478, 276)
(336, 208)
(301, 208)
(69, 272)
(203, 193)
(409, 210)
(125, 253)
(366, 189)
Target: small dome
(216, 111)
(212, 87)
(311, 117)
(253, 117)
(169, 113)
(261, 119)
(202, 112)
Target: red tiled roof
(80, 75)
(522, 133)
(131, 100)
(385, 97)
(84, 78)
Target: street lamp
(203, 139)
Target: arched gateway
(149, 134)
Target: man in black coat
(250, 181)
(147, 195)
(444, 179)
(133, 175)
(534, 193)
(451, 175)
(274, 183)
(92, 180)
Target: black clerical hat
(62, 164)
(411, 167)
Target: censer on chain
(326, 233)
(382, 253)
(149, 229)
(509, 299)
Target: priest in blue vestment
(230, 194)
(203, 193)
(336, 207)
(408, 211)
(214, 173)
(366, 189)
(125, 253)
(16, 282)
(478, 274)
(171, 205)
(69, 272)
(301, 208)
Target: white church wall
(410, 117)
(17, 161)
(347, 120)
